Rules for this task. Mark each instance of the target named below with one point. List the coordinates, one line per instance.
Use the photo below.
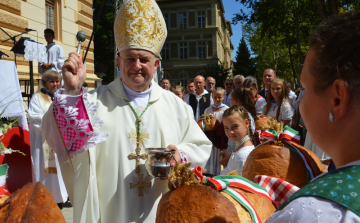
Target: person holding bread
(330, 108)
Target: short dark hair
(190, 81)
(49, 31)
(270, 69)
(164, 79)
(336, 44)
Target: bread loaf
(200, 203)
(281, 162)
(32, 203)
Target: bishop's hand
(176, 156)
(74, 74)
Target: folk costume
(286, 111)
(212, 166)
(331, 197)
(200, 102)
(44, 162)
(55, 55)
(108, 129)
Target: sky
(232, 7)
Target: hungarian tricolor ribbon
(227, 185)
(288, 136)
(288, 133)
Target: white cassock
(40, 152)
(55, 55)
(100, 188)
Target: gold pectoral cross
(142, 184)
(137, 157)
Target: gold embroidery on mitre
(139, 24)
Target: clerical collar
(137, 98)
(220, 106)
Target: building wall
(73, 16)
(215, 35)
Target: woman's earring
(331, 117)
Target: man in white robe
(55, 54)
(96, 158)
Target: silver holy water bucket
(158, 162)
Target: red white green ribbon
(289, 134)
(309, 169)
(226, 183)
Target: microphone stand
(2, 53)
(13, 38)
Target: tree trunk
(333, 7)
(322, 11)
(298, 44)
(292, 65)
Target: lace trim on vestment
(79, 127)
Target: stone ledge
(12, 21)
(85, 10)
(13, 6)
(87, 2)
(83, 20)
(86, 30)
(90, 57)
(90, 67)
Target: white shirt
(217, 114)
(227, 99)
(259, 105)
(198, 97)
(286, 111)
(186, 98)
(315, 209)
(237, 160)
(292, 97)
(55, 55)
(137, 98)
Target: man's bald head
(199, 84)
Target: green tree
(218, 72)
(244, 64)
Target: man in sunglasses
(229, 86)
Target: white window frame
(201, 19)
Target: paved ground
(68, 212)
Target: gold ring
(66, 60)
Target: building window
(50, 5)
(165, 52)
(183, 50)
(54, 17)
(182, 20)
(166, 18)
(183, 78)
(202, 50)
(201, 19)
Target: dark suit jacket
(262, 93)
(203, 104)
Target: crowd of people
(132, 113)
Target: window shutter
(192, 49)
(173, 20)
(174, 50)
(191, 18)
(209, 48)
(209, 18)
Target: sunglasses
(228, 84)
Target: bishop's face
(137, 68)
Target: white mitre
(139, 24)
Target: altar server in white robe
(45, 166)
(104, 181)
(54, 53)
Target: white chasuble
(45, 166)
(105, 186)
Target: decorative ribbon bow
(226, 183)
(290, 134)
(203, 118)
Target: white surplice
(55, 55)
(53, 182)
(100, 188)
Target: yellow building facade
(198, 36)
(65, 17)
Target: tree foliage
(218, 72)
(278, 30)
(244, 64)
